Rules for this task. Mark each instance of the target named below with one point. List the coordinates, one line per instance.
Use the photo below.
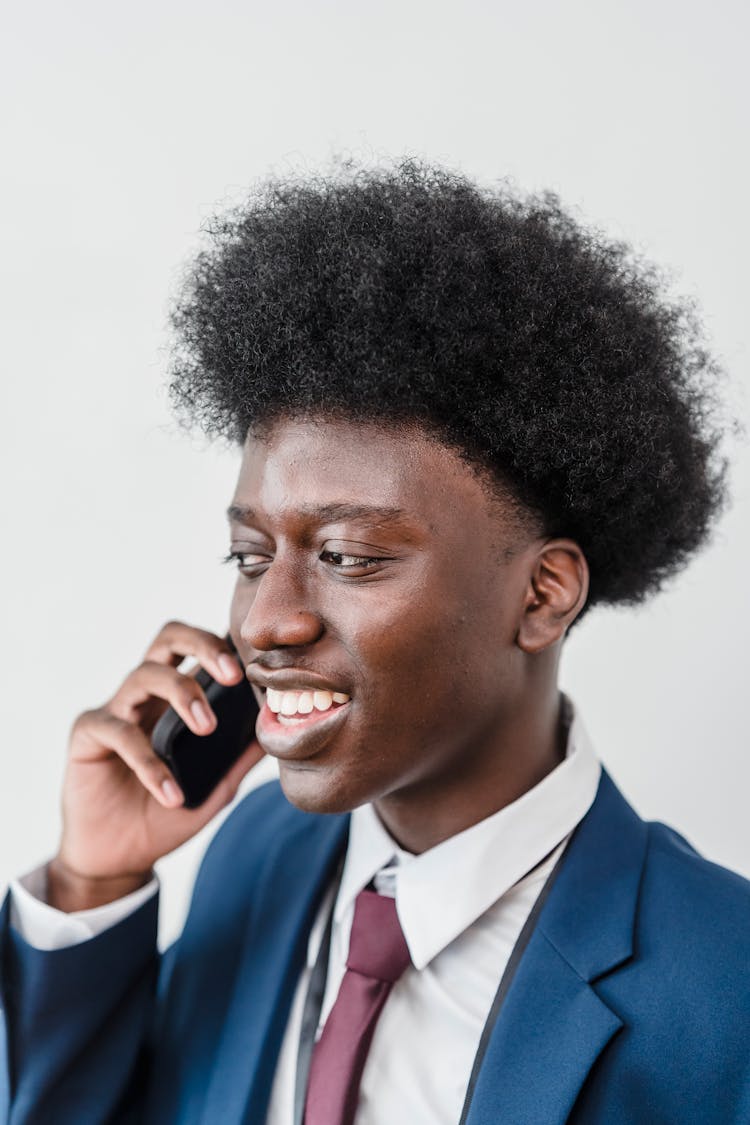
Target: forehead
(303, 463)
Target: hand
(122, 808)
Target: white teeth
(305, 704)
(287, 703)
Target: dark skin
(436, 608)
(377, 565)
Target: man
(463, 420)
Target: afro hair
(542, 351)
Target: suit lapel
(553, 1025)
(274, 954)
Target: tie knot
(377, 947)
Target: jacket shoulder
(682, 996)
(264, 807)
(696, 889)
(261, 838)
(262, 824)
(694, 929)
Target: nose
(280, 614)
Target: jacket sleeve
(105, 1032)
(75, 1022)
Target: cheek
(424, 661)
(449, 654)
(393, 636)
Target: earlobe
(556, 593)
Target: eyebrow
(327, 513)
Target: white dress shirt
(44, 927)
(462, 906)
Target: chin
(308, 788)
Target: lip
(291, 679)
(305, 737)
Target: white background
(126, 126)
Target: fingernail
(228, 665)
(200, 714)
(171, 792)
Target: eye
(249, 563)
(351, 564)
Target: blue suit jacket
(630, 1004)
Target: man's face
(377, 606)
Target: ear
(556, 594)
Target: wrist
(69, 891)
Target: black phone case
(198, 762)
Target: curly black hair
(541, 350)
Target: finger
(95, 731)
(158, 681)
(176, 640)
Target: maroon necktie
(378, 955)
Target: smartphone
(199, 761)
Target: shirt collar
(442, 891)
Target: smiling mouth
(297, 724)
(293, 707)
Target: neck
(527, 746)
